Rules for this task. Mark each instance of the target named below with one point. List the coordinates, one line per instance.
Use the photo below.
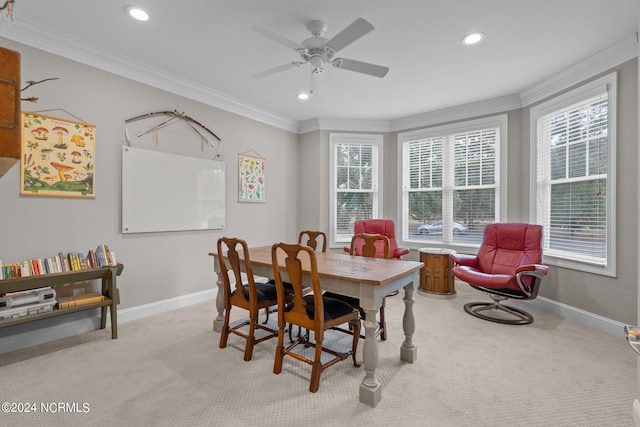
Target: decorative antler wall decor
(201, 130)
(8, 4)
(31, 83)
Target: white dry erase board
(169, 192)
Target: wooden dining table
(369, 279)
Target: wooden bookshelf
(109, 289)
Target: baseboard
(158, 307)
(26, 335)
(572, 313)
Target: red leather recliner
(507, 265)
(385, 227)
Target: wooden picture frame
(251, 179)
(58, 157)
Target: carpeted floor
(167, 370)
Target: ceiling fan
(318, 51)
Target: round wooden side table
(436, 277)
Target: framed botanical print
(251, 177)
(58, 157)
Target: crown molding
(475, 109)
(601, 62)
(335, 124)
(31, 34)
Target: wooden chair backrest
(236, 250)
(295, 256)
(371, 244)
(312, 238)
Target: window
(574, 143)
(451, 181)
(355, 184)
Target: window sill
(586, 267)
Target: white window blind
(573, 176)
(355, 182)
(573, 157)
(451, 182)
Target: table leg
(370, 388)
(408, 351)
(219, 320)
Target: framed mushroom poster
(58, 157)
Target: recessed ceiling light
(472, 38)
(137, 13)
(303, 96)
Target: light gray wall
(313, 182)
(612, 297)
(157, 266)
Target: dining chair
(245, 293)
(385, 227)
(372, 246)
(310, 238)
(314, 312)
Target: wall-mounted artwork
(58, 157)
(251, 174)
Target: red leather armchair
(507, 265)
(385, 227)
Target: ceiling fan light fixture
(137, 13)
(472, 38)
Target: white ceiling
(209, 46)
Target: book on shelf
(56, 260)
(78, 300)
(24, 269)
(65, 263)
(91, 258)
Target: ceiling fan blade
(351, 33)
(360, 67)
(277, 37)
(275, 70)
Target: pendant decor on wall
(251, 178)
(58, 157)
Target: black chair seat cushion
(333, 308)
(354, 302)
(264, 291)
(288, 287)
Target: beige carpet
(167, 370)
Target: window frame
(377, 142)
(497, 121)
(579, 94)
